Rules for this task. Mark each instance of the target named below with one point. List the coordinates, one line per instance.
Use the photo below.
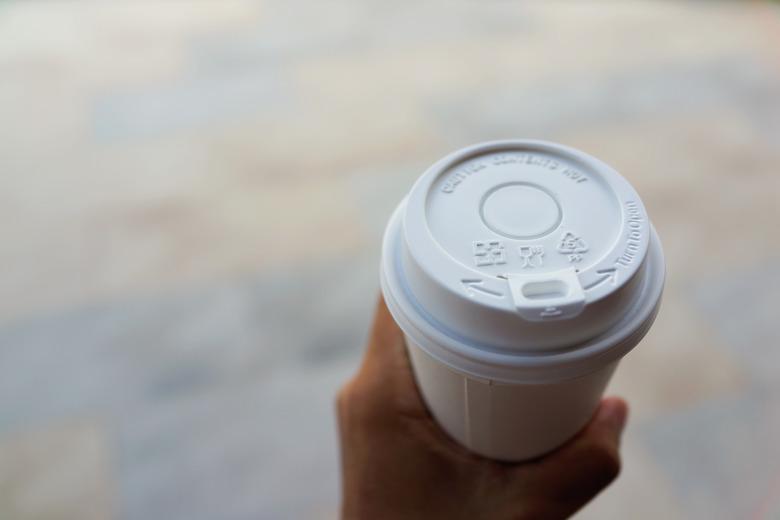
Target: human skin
(398, 463)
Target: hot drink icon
(531, 256)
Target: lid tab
(547, 296)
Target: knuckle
(344, 419)
(343, 397)
(351, 402)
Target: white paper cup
(520, 272)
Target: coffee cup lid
(520, 247)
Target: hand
(398, 463)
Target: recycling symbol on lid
(573, 246)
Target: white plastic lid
(520, 247)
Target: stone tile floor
(192, 196)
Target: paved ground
(191, 201)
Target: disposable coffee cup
(520, 272)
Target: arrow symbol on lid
(474, 285)
(609, 273)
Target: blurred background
(192, 196)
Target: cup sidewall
(511, 422)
